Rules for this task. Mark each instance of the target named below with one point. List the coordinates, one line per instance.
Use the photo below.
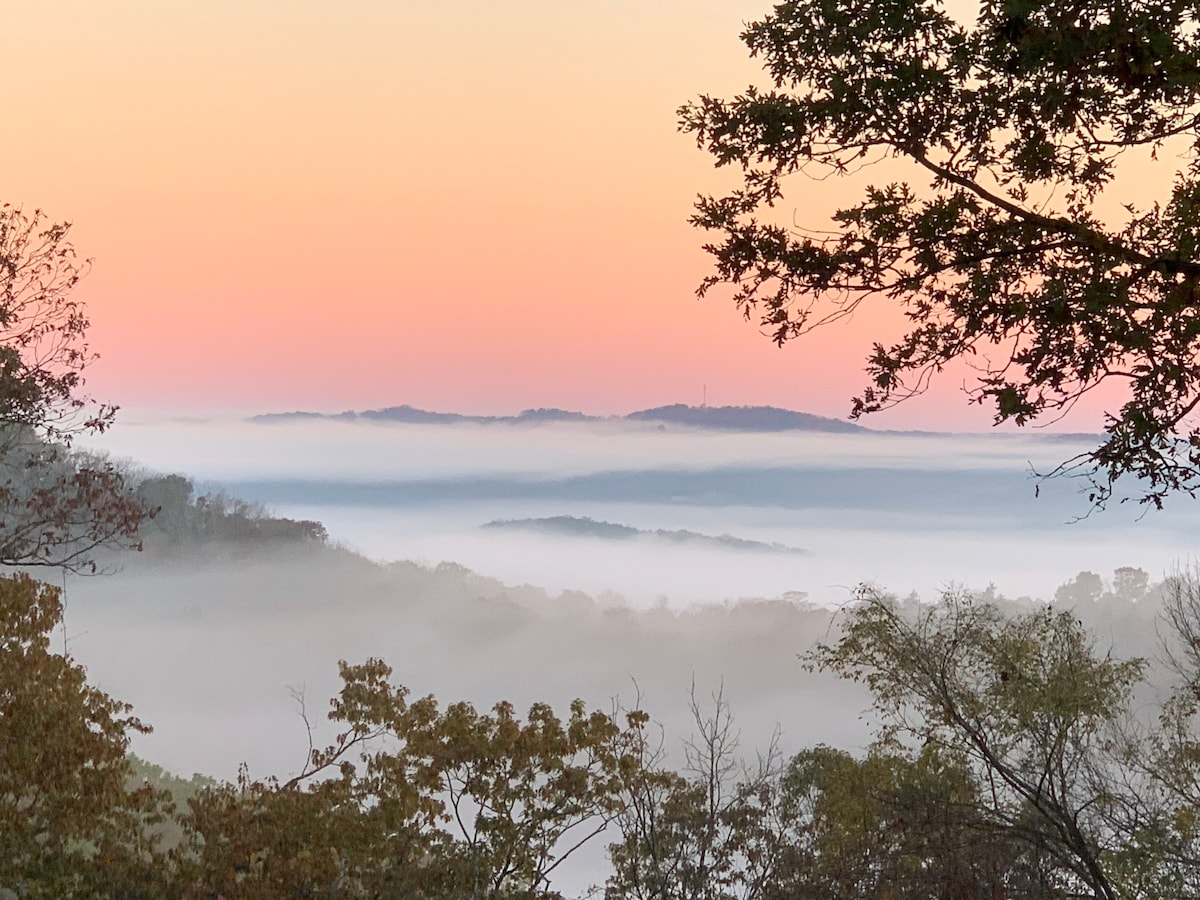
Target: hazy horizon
(485, 614)
(912, 511)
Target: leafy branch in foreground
(1044, 726)
(71, 824)
(1008, 252)
(56, 506)
(412, 800)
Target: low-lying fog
(913, 512)
(210, 647)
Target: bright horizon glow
(477, 208)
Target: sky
(479, 206)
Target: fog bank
(914, 511)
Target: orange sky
(476, 206)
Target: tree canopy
(72, 824)
(55, 506)
(1011, 248)
(1014, 756)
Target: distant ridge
(724, 418)
(742, 418)
(584, 527)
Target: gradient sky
(478, 206)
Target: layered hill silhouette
(585, 527)
(728, 418)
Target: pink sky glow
(478, 206)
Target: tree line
(1010, 759)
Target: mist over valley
(542, 605)
(910, 511)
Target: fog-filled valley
(909, 511)
(626, 564)
(744, 544)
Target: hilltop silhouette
(727, 418)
